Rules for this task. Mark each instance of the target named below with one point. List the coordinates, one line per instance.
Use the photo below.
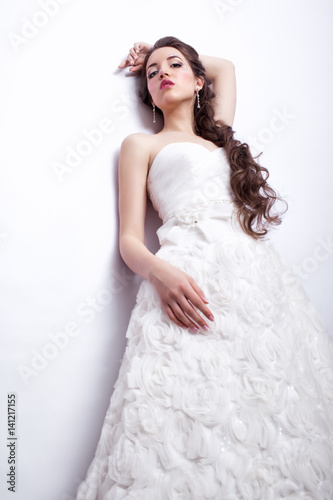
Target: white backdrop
(66, 295)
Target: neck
(179, 119)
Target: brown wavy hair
(254, 198)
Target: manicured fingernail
(185, 327)
(205, 327)
(205, 298)
(195, 329)
(211, 317)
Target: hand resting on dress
(180, 296)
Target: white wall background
(66, 295)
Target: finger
(131, 59)
(140, 46)
(123, 64)
(199, 291)
(137, 47)
(192, 313)
(196, 302)
(199, 299)
(181, 314)
(133, 53)
(135, 68)
(126, 62)
(173, 317)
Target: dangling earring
(198, 103)
(154, 121)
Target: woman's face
(170, 78)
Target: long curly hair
(254, 198)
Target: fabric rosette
(131, 462)
(261, 390)
(142, 420)
(157, 375)
(191, 439)
(267, 349)
(196, 482)
(206, 402)
(193, 214)
(251, 429)
(215, 364)
(204, 216)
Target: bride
(226, 386)
(173, 87)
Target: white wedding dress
(241, 412)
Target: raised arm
(222, 74)
(178, 291)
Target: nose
(163, 73)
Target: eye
(173, 65)
(153, 73)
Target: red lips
(166, 83)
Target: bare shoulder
(135, 152)
(143, 147)
(138, 138)
(138, 144)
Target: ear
(200, 82)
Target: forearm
(137, 256)
(216, 66)
(223, 76)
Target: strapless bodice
(189, 186)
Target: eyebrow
(170, 57)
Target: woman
(224, 397)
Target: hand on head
(136, 56)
